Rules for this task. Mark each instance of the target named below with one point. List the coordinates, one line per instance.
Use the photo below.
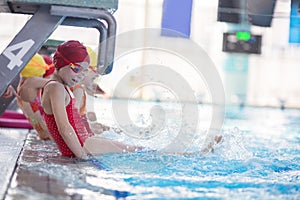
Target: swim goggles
(76, 68)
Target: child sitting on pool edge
(80, 91)
(63, 119)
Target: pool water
(258, 158)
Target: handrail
(96, 14)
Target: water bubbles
(233, 145)
(163, 81)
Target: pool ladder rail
(47, 16)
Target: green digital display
(243, 36)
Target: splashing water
(251, 162)
(233, 146)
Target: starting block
(47, 15)
(32, 6)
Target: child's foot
(218, 139)
(211, 145)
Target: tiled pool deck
(34, 169)
(11, 144)
(19, 149)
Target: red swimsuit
(76, 123)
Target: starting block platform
(31, 6)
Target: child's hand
(94, 90)
(9, 92)
(98, 128)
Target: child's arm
(29, 88)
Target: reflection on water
(258, 159)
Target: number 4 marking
(16, 59)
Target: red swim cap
(49, 71)
(47, 59)
(69, 52)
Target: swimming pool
(259, 158)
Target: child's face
(74, 73)
(90, 78)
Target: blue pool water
(259, 158)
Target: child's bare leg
(100, 145)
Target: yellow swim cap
(35, 67)
(93, 56)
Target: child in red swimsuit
(63, 119)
